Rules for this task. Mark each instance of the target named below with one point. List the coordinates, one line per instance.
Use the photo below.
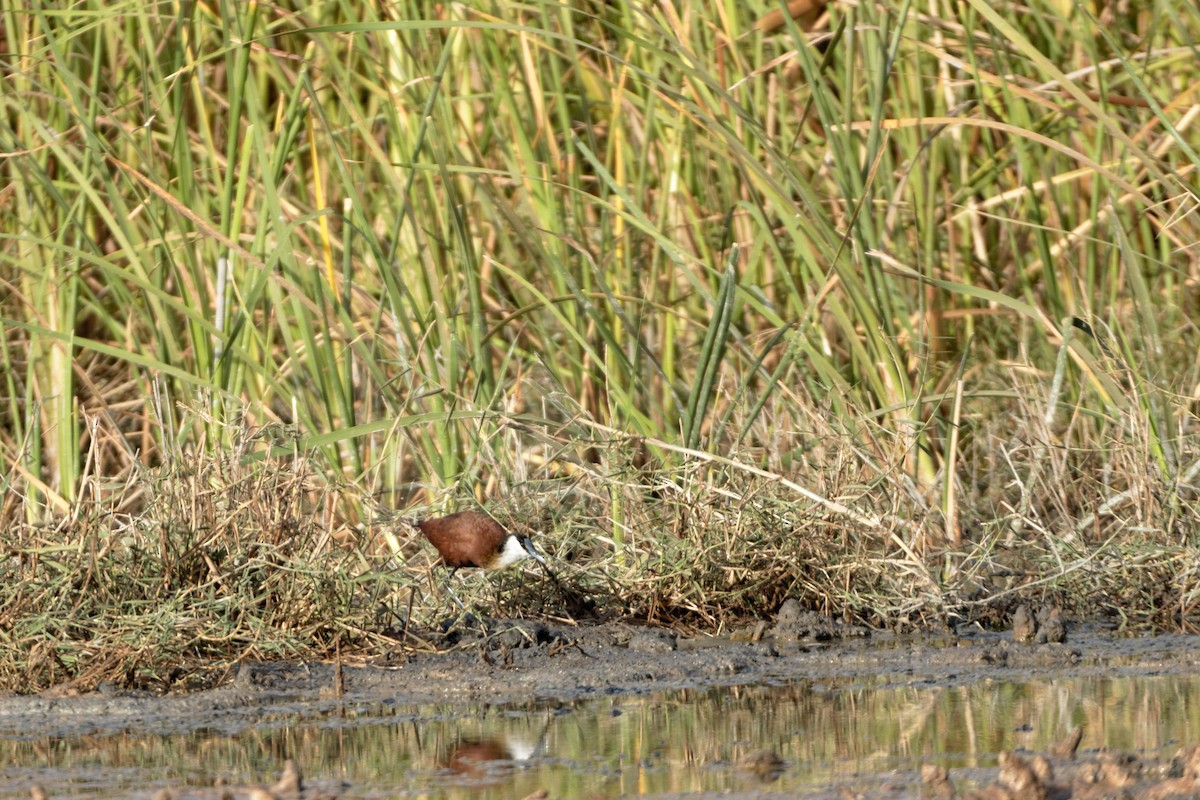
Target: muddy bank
(522, 661)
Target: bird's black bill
(527, 543)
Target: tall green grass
(553, 257)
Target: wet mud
(515, 661)
(523, 661)
(1060, 775)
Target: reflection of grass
(447, 254)
(842, 731)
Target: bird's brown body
(473, 539)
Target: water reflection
(822, 733)
(491, 760)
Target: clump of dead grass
(170, 576)
(708, 541)
(224, 557)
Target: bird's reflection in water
(488, 760)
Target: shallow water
(829, 733)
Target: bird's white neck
(512, 552)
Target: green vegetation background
(884, 306)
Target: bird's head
(516, 547)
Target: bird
(472, 539)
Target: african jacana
(471, 539)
